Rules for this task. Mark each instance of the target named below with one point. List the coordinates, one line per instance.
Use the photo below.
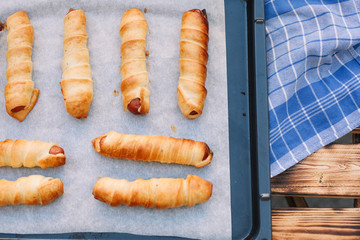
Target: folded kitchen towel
(313, 65)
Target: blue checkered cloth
(313, 64)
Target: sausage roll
(23, 153)
(35, 189)
(153, 148)
(194, 39)
(20, 94)
(161, 193)
(135, 80)
(76, 84)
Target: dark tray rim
(258, 115)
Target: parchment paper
(77, 210)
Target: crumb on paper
(58, 127)
(145, 10)
(98, 178)
(147, 53)
(116, 93)
(173, 128)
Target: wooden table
(331, 172)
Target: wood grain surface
(316, 223)
(332, 171)
(356, 130)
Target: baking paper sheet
(77, 210)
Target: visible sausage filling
(134, 106)
(56, 150)
(207, 152)
(193, 113)
(17, 109)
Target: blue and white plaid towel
(313, 63)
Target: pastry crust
(194, 40)
(20, 94)
(35, 189)
(23, 153)
(161, 193)
(153, 148)
(135, 80)
(76, 84)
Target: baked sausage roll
(153, 148)
(161, 193)
(135, 80)
(194, 38)
(20, 94)
(76, 84)
(23, 153)
(35, 189)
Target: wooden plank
(316, 223)
(356, 139)
(356, 130)
(332, 171)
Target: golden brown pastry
(35, 189)
(135, 80)
(194, 40)
(23, 153)
(20, 94)
(76, 84)
(161, 193)
(153, 148)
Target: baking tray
(248, 129)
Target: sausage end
(134, 106)
(207, 152)
(54, 150)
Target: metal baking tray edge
(248, 128)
